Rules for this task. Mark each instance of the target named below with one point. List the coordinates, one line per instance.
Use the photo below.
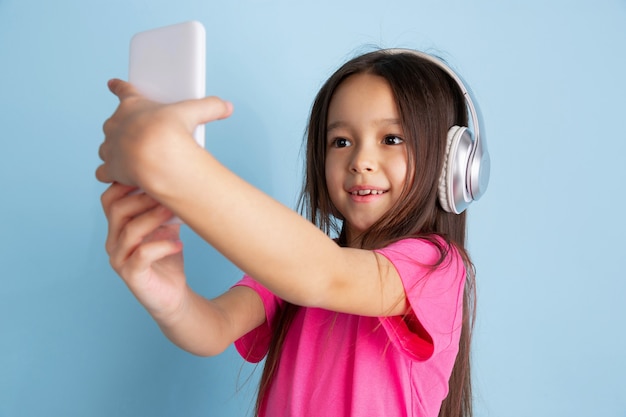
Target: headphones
(466, 166)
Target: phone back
(168, 64)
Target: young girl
(375, 322)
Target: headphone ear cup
(453, 194)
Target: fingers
(102, 176)
(122, 89)
(137, 239)
(205, 110)
(144, 256)
(122, 213)
(112, 194)
(136, 119)
(199, 111)
(134, 240)
(121, 204)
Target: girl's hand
(148, 257)
(144, 252)
(143, 136)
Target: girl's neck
(352, 239)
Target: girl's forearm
(207, 327)
(264, 238)
(197, 329)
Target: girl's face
(366, 157)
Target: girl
(374, 322)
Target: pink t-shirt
(336, 364)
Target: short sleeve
(434, 293)
(254, 345)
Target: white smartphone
(168, 64)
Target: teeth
(366, 192)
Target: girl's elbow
(208, 350)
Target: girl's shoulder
(432, 250)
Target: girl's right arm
(284, 252)
(148, 257)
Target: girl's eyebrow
(381, 122)
(335, 125)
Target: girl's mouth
(367, 192)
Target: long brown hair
(429, 102)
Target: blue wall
(548, 237)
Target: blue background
(547, 238)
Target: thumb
(122, 89)
(205, 110)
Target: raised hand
(146, 253)
(143, 136)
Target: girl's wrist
(172, 317)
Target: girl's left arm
(151, 146)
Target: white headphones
(466, 167)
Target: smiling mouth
(368, 192)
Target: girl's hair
(429, 102)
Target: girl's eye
(393, 140)
(341, 143)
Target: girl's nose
(363, 160)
